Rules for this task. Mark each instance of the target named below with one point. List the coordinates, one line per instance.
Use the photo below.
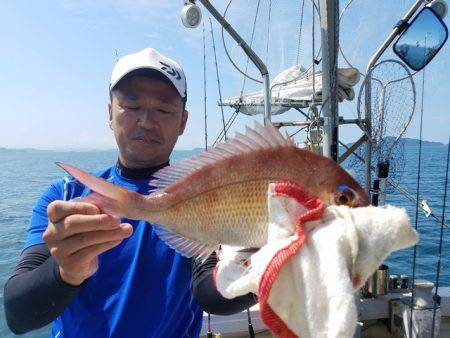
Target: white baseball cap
(150, 59)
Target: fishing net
(387, 99)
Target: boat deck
(374, 314)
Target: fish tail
(110, 198)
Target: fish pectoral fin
(184, 246)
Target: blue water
(25, 174)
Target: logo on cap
(170, 70)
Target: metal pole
(329, 26)
(247, 50)
(397, 30)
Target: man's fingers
(57, 210)
(89, 253)
(75, 224)
(86, 239)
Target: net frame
(388, 87)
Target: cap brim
(158, 70)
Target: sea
(24, 174)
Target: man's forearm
(35, 294)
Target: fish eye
(344, 196)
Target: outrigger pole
(329, 26)
(247, 50)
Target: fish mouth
(363, 201)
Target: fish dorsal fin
(257, 138)
(186, 247)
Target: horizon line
(84, 149)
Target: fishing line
(229, 56)
(314, 4)
(295, 133)
(218, 80)
(313, 58)
(268, 33)
(251, 45)
(300, 31)
(204, 86)
(438, 268)
(417, 198)
(234, 115)
(228, 126)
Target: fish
(220, 196)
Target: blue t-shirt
(141, 288)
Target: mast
(329, 27)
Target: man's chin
(144, 155)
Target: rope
(218, 79)
(417, 198)
(300, 31)
(438, 268)
(204, 86)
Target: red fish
(220, 196)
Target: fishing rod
(218, 79)
(438, 267)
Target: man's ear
(184, 118)
(110, 115)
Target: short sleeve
(39, 220)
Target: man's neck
(138, 173)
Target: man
(95, 275)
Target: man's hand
(77, 233)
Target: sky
(57, 56)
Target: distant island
(55, 150)
(407, 142)
(413, 142)
(32, 150)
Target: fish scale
(235, 214)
